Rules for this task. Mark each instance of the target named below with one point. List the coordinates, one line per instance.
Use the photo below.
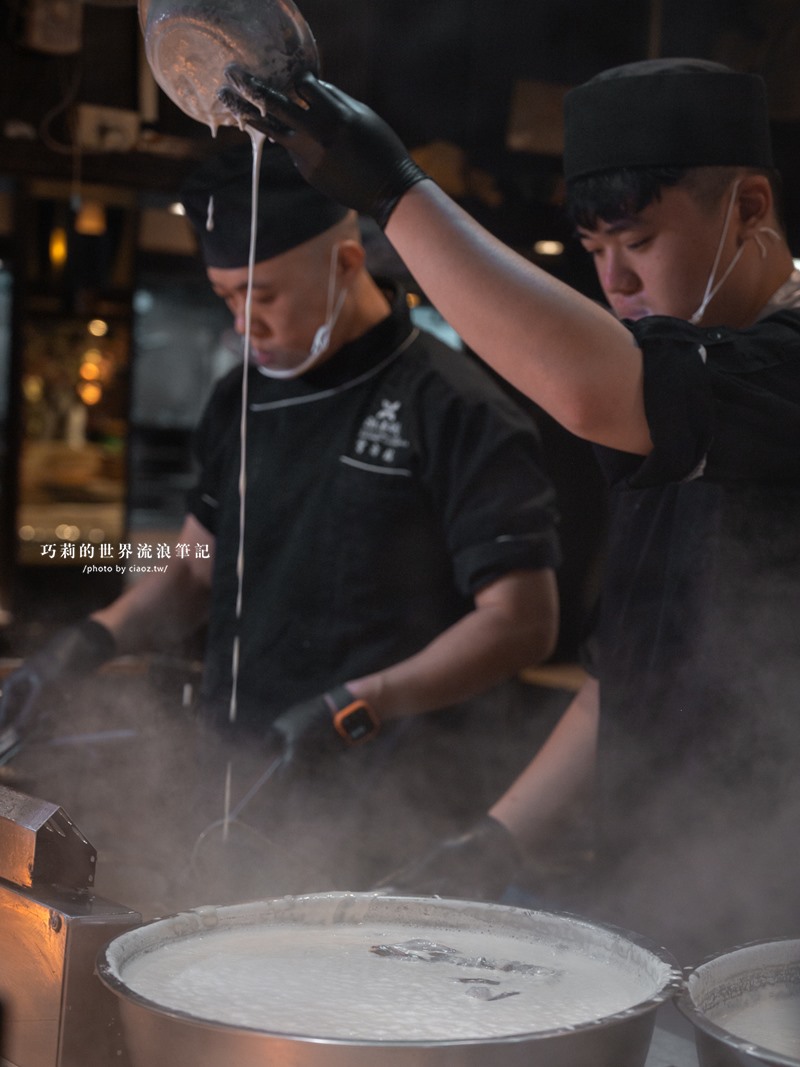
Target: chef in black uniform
(687, 727)
(396, 554)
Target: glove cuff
(406, 173)
(76, 650)
(502, 848)
(99, 645)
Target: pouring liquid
(257, 140)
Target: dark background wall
(435, 71)
(448, 75)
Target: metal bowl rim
(689, 1009)
(670, 987)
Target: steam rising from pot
(716, 872)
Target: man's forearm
(562, 769)
(162, 609)
(514, 625)
(564, 351)
(156, 612)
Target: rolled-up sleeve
(485, 471)
(721, 403)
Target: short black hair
(612, 195)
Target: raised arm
(561, 349)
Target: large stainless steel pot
(409, 933)
(745, 1006)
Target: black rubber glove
(306, 731)
(72, 652)
(339, 145)
(476, 865)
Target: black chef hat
(666, 113)
(289, 210)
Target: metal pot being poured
(353, 980)
(189, 43)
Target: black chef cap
(666, 113)
(289, 210)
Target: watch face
(356, 722)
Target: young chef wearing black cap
(692, 393)
(399, 540)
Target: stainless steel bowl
(159, 1034)
(189, 43)
(745, 1006)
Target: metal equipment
(56, 1012)
(745, 1005)
(468, 956)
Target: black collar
(351, 360)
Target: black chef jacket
(384, 488)
(697, 648)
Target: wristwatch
(353, 718)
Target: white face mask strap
(771, 233)
(322, 338)
(711, 289)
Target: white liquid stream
(323, 981)
(258, 140)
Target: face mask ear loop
(322, 338)
(770, 233)
(710, 292)
(331, 283)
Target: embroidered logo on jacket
(381, 435)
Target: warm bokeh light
(90, 372)
(67, 532)
(548, 248)
(90, 393)
(91, 219)
(98, 327)
(32, 388)
(58, 246)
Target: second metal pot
(745, 1006)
